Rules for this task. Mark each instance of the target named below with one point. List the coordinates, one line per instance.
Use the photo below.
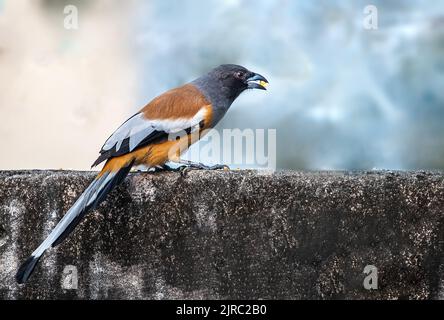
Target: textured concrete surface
(239, 234)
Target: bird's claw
(199, 166)
(219, 167)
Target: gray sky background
(341, 96)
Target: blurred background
(340, 97)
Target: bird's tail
(96, 192)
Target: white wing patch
(138, 128)
(179, 124)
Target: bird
(145, 139)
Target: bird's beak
(256, 81)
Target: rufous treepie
(145, 139)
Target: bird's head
(231, 80)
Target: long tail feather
(89, 200)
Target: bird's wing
(180, 109)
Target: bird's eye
(239, 74)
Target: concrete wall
(238, 234)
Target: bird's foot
(189, 166)
(219, 167)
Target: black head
(231, 80)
